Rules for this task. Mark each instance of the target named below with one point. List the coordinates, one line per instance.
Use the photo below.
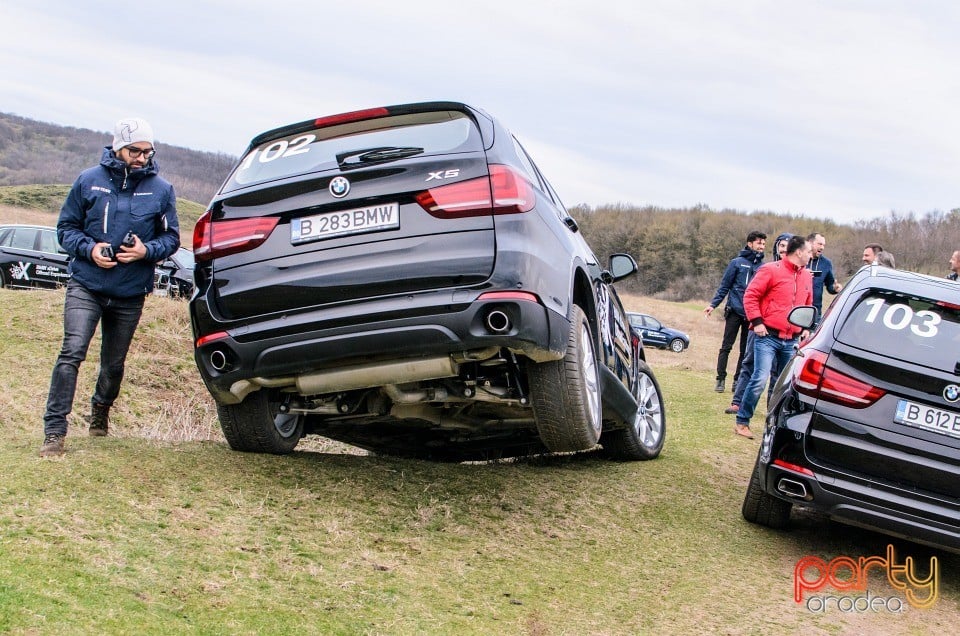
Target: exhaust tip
(218, 359)
(498, 321)
(793, 488)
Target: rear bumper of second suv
(787, 470)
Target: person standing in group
(886, 259)
(735, 279)
(870, 251)
(776, 289)
(746, 369)
(821, 268)
(954, 266)
(118, 220)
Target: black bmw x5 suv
(864, 423)
(405, 280)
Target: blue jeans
(747, 372)
(768, 351)
(82, 311)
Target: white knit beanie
(130, 130)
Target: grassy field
(161, 529)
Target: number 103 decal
(900, 316)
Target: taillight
(220, 335)
(794, 467)
(504, 191)
(212, 239)
(814, 378)
(509, 295)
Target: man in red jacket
(777, 288)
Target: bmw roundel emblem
(951, 393)
(339, 187)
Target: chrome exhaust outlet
(218, 360)
(498, 322)
(793, 488)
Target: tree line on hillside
(682, 252)
(33, 152)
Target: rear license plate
(928, 417)
(345, 222)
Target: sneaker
(52, 446)
(733, 408)
(720, 386)
(99, 420)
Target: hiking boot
(52, 446)
(733, 408)
(99, 420)
(720, 386)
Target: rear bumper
(411, 327)
(855, 499)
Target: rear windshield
(433, 133)
(918, 330)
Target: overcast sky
(828, 109)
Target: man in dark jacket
(822, 270)
(776, 289)
(735, 280)
(118, 220)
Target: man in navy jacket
(822, 270)
(734, 282)
(118, 220)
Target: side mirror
(621, 266)
(804, 316)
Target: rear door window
(920, 330)
(332, 147)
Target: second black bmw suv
(404, 279)
(864, 423)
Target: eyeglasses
(136, 152)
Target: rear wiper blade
(375, 155)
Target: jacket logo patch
(142, 194)
(100, 189)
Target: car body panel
(31, 257)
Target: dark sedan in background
(173, 276)
(864, 423)
(655, 334)
(31, 257)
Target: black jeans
(82, 311)
(734, 324)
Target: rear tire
(762, 508)
(565, 393)
(642, 438)
(256, 425)
(676, 345)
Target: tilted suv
(404, 279)
(864, 423)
